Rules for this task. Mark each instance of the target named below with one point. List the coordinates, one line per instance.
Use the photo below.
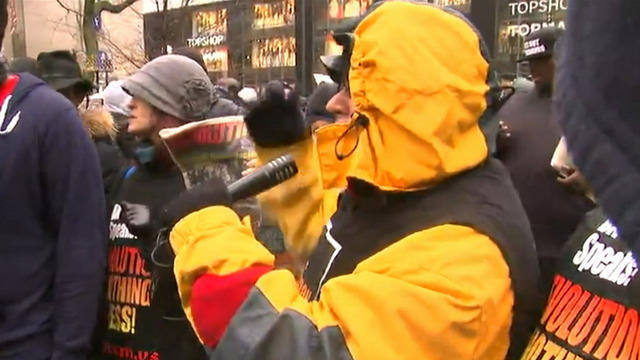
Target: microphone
(215, 192)
(264, 178)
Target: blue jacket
(53, 227)
(598, 97)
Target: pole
(304, 46)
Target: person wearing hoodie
(599, 108)
(52, 222)
(429, 253)
(145, 319)
(592, 312)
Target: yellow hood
(418, 74)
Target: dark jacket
(598, 87)
(101, 127)
(223, 107)
(52, 211)
(111, 162)
(144, 319)
(554, 211)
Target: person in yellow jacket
(427, 254)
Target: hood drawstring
(362, 121)
(3, 117)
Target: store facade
(259, 40)
(517, 19)
(253, 41)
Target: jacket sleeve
(392, 306)
(304, 204)
(76, 213)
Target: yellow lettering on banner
(551, 349)
(129, 290)
(122, 318)
(537, 346)
(122, 289)
(541, 348)
(146, 293)
(127, 321)
(136, 288)
(113, 320)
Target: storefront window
(274, 52)
(276, 14)
(517, 19)
(210, 22)
(463, 6)
(339, 9)
(210, 36)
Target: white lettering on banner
(540, 6)
(115, 214)
(604, 261)
(116, 228)
(609, 229)
(119, 231)
(207, 40)
(526, 29)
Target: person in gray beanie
(173, 84)
(148, 319)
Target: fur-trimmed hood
(99, 124)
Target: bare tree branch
(138, 63)
(67, 8)
(106, 5)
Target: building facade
(36, 26)
(259, 40)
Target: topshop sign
(521, 10)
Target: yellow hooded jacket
(441, 292)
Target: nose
(340, 105)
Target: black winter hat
(61, 70)
(317, 105)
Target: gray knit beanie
(174, 84)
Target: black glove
(140, 220)
(210, 193)
(277, 120)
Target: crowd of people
(434, 215)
